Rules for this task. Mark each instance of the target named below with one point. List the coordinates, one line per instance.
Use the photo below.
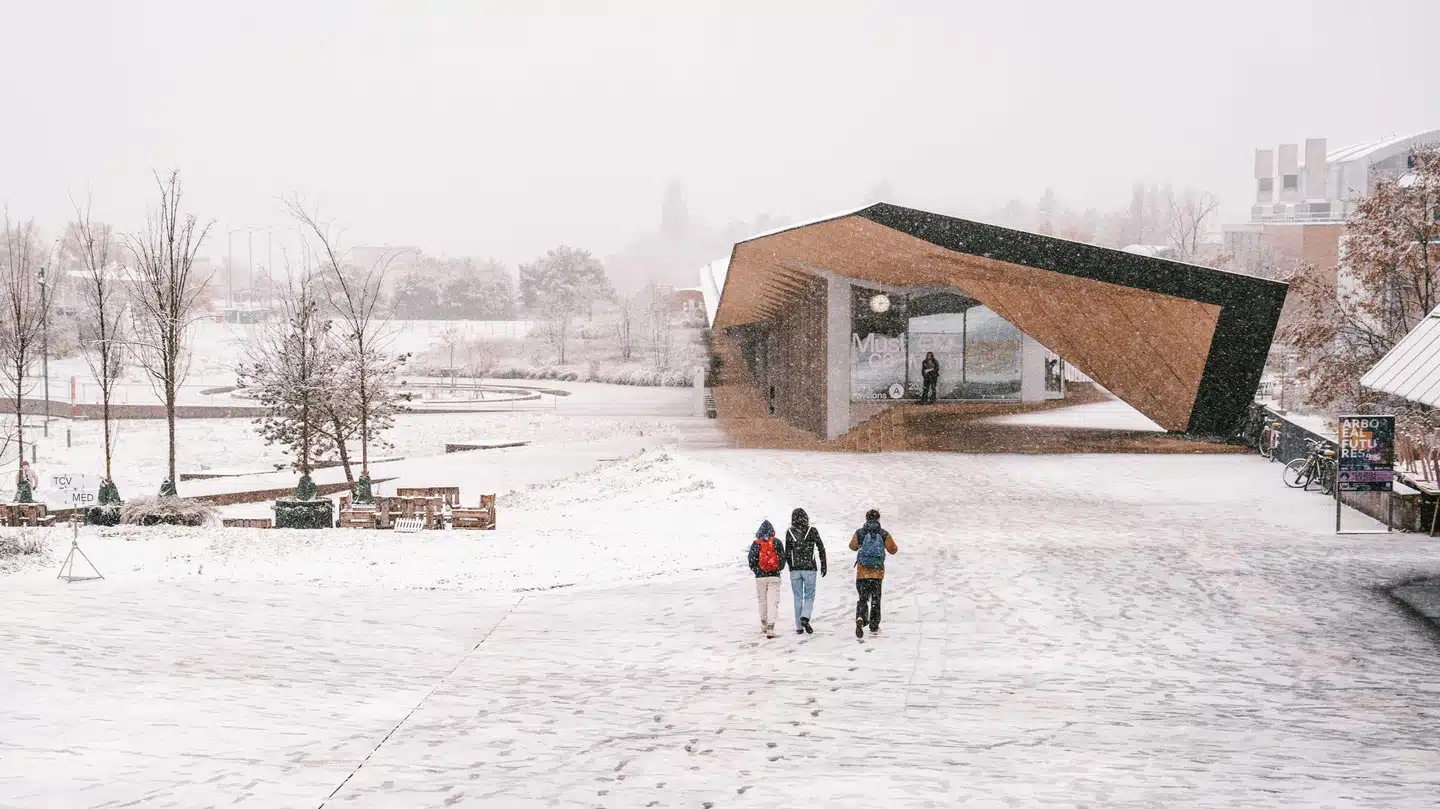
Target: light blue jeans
(802, 584)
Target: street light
(44, 354)
(230, 264)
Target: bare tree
(559, 284)
(660, 325)
(89, 245)
(625, 328)
(355, 295)
(22, 317)
(165, 291)
(1185, 220)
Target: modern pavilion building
(833, 317)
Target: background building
(1302, 199)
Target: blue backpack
(872, 548)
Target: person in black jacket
(802, 544)
(767, 559)
(930, 375)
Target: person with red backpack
(767, 559)
(871, 543)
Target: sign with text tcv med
(68, 490)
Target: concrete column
(837, 357)
(1032, 369)
(699, 401)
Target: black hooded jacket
(802, 542)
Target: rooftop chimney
(1316, 169)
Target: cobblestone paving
(1059, 632)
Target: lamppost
(44, 352)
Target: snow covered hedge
(167, 511)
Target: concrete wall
(1032, 369)
(837, 352)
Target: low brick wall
(263, 495)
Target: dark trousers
(868, 608)
(927, 392)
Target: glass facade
(978, 351)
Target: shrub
(108, 514)
(22, 545)
(304, 514)
(167, 511)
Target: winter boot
(860, 628)
(769, 630)
(805, 624)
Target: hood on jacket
(799, 519)
(765, 530)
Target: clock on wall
(880, 304)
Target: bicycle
(1318, 465)
(1269, 442)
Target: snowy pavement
(1102, 631)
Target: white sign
(67, 490)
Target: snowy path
(1115, 631)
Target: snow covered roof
(1377, 150)
(1411, 370)
(712, 280)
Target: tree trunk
(344, 452)
(170, 423)
(105, 417)
(305, 440)
(20, 419)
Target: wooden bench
(481, 518)
(450, 495)
(246, 522)
(358, 517)
(1418, 466)
(430, 510)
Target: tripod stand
(69, 563)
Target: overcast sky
(505, 128)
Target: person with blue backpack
(871, 543)
(767, 559)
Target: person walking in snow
(802, 544)
(871, 543)
(767, 559)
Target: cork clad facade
(834, 317)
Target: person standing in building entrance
(802, 543)
(930, 374)
(767, 559)
(871, 543)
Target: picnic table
(430, 505)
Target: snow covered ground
(1109, 415)
(1077, 631)
(591, 413)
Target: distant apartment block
(1302, 199)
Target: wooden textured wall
(795, 360)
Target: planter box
(308, 514)
(246, 522)
(103, 515)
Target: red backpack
(769, 561)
